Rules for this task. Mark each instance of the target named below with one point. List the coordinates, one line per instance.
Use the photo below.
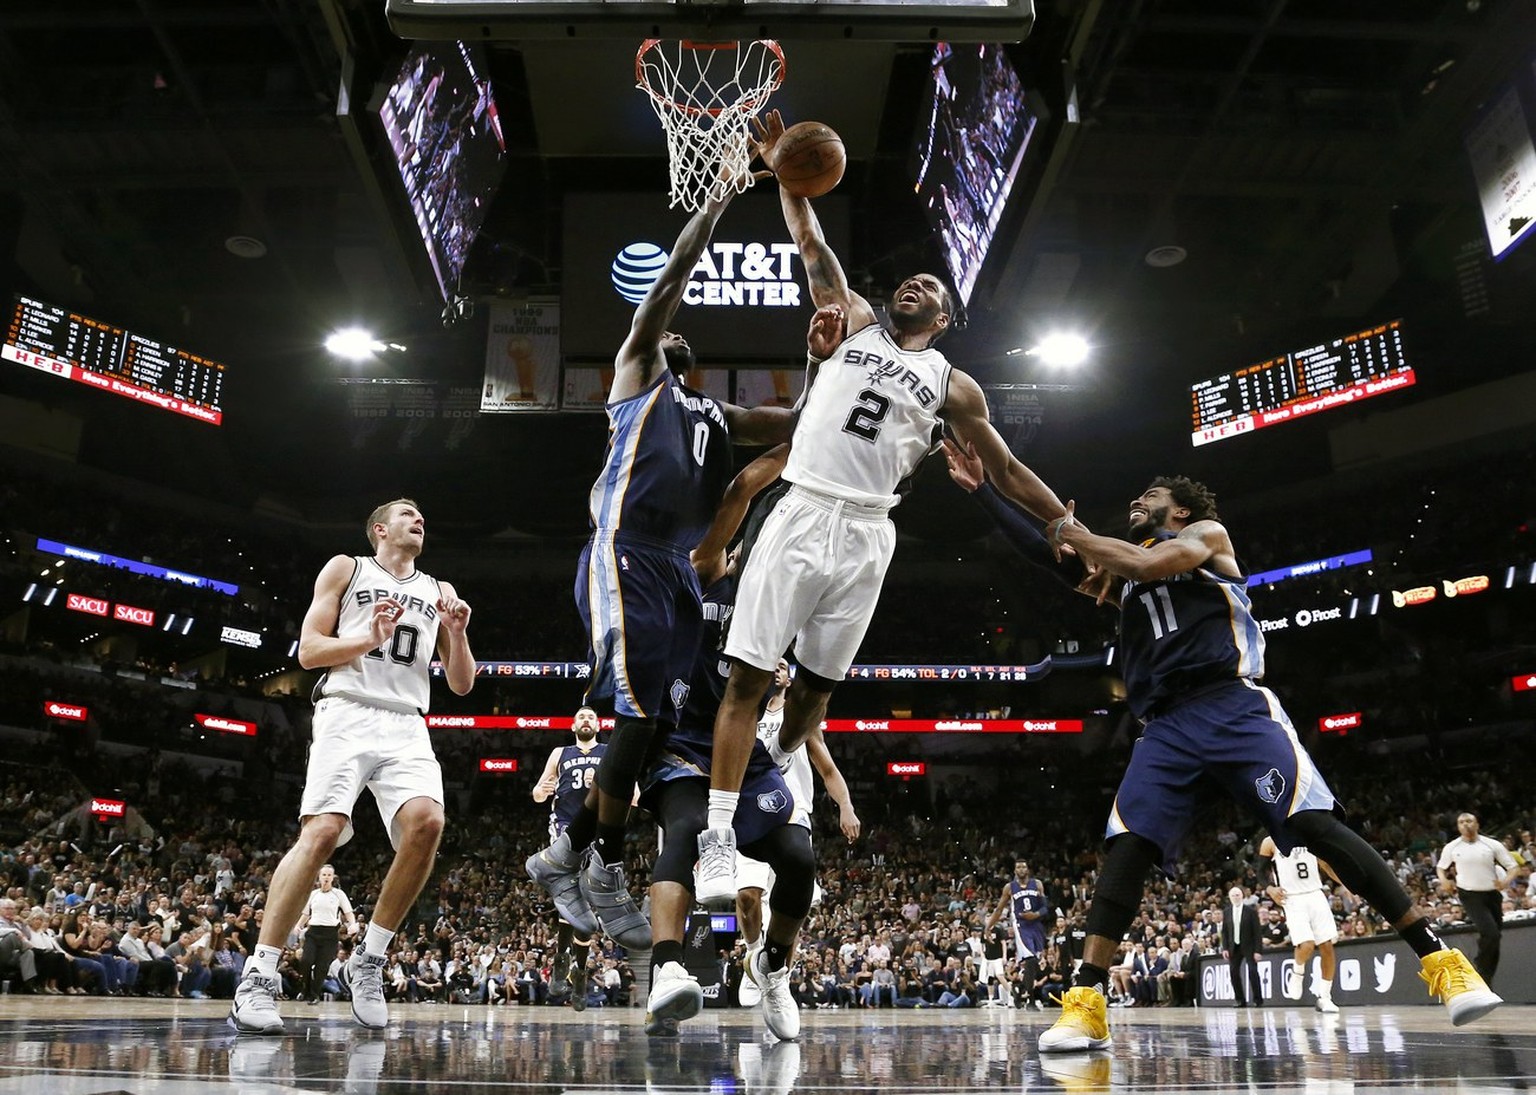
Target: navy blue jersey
(1028, 897)
(706, 684)
(1185, 632)
(574, 775)
(667, 467)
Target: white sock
(264, 960)
(722, 808)
(376, 939)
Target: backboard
(714, 20)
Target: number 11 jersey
(869, 418)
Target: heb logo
(226, 726)
(73, 712)
(108, 807)
(906, 768)
(132, 615)
(525, 723)
(1329, 724)
(78, 602)
(498, 765)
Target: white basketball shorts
(813, 578)
(356, 746)
(1308, 918)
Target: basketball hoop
(706, 94)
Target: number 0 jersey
(395, 676)
(666, 469)
(869, 418)
(1182, 633)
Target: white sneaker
(363, 976)
(780, 1012)
(714, 878)
(255, 1008)
(749, 995)
(1294, 983)
(675, 996)
(1326, 1005)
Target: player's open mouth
(1137, 511)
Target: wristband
(812, 359)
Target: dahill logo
(636, 269)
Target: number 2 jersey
(869, 418)
(395, 676)
(1183, 633)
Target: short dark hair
(1193, 496)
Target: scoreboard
(1318, 378)
(110, 359)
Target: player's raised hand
(828, 328)
(454, 613)
(1053, 531)
(1098, 584)
(767, 128)
(386, 615)
(965, 466)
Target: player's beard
(585, 734)
(1150, 525)
(679, 360)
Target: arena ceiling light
(1065, 350)
(357, 344)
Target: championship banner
(770, 387)
(522, 357)
(1504, 165)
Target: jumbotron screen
(110, 359)
(1318, 378)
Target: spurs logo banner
(522, 357)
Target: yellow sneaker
(1084, 1023)
(1451, 976)
(1078, 1071)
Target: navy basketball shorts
(765, 804)
(642, 607)
(1236, 739)
(1031, 941)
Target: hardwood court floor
(54, 1046)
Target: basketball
(810, 159)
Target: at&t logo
(727, 274)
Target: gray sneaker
(714, 877)
(255, 1008)
(558, 869)
(607, 892)
(363, 976)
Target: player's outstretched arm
(709, 557)
(640, 360)
(828, 283)
(965, 409)
(319, 645)
(1196, 545)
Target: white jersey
(798, 777)
(868, 419)
(1298, 872)
(327, 906)
(1475, 862)
(396, 676)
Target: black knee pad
(788, 851)
(814, 681)
(1122, 883)
(1355, 861)
(622, 763)
(683, 810)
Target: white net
(706, 94)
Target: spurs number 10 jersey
(869, 418)
(395, 676)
